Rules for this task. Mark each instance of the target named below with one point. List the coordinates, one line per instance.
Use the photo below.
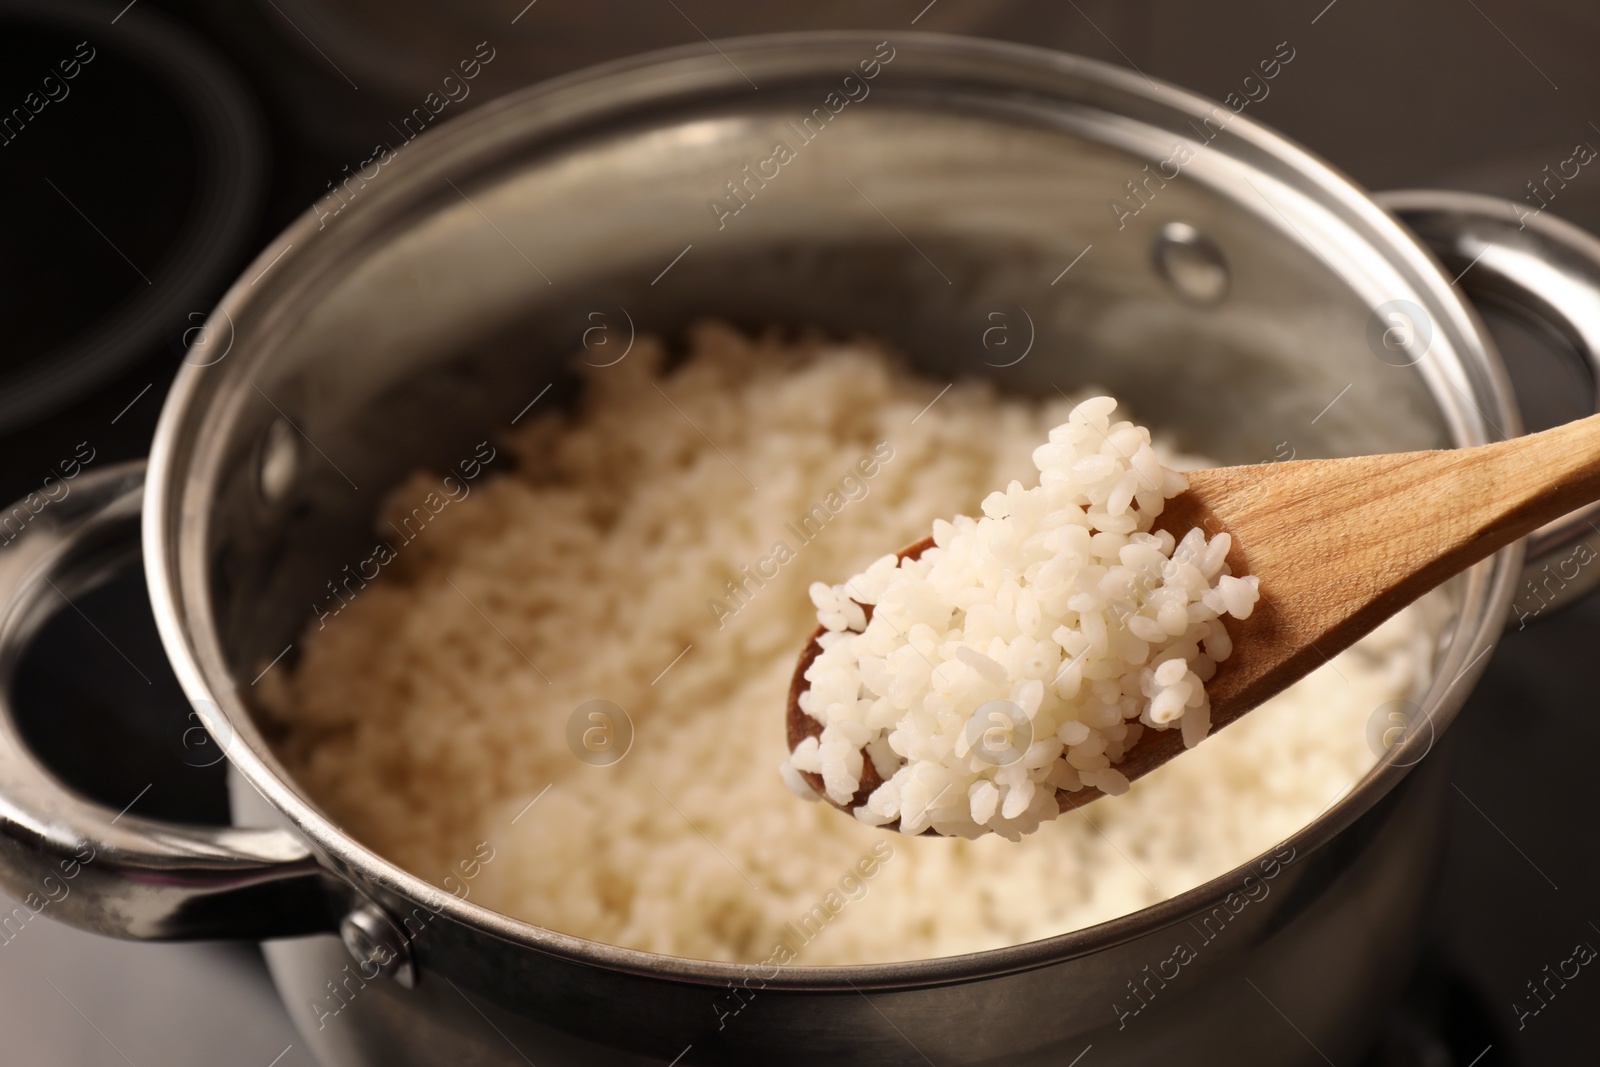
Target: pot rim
(1485, 601)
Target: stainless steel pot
(1232, 288)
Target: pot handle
(108, 872)
(1545, 272)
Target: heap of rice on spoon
(961, 683)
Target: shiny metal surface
(393, 336)
(105, 871)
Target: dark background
(1472, 94)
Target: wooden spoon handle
(1342, 544)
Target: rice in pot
(653, 549)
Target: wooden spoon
(1339, 545)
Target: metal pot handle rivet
(378, 945)
(1191, 264)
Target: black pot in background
(132, 162)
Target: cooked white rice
(1022, 652)
(654, 549)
